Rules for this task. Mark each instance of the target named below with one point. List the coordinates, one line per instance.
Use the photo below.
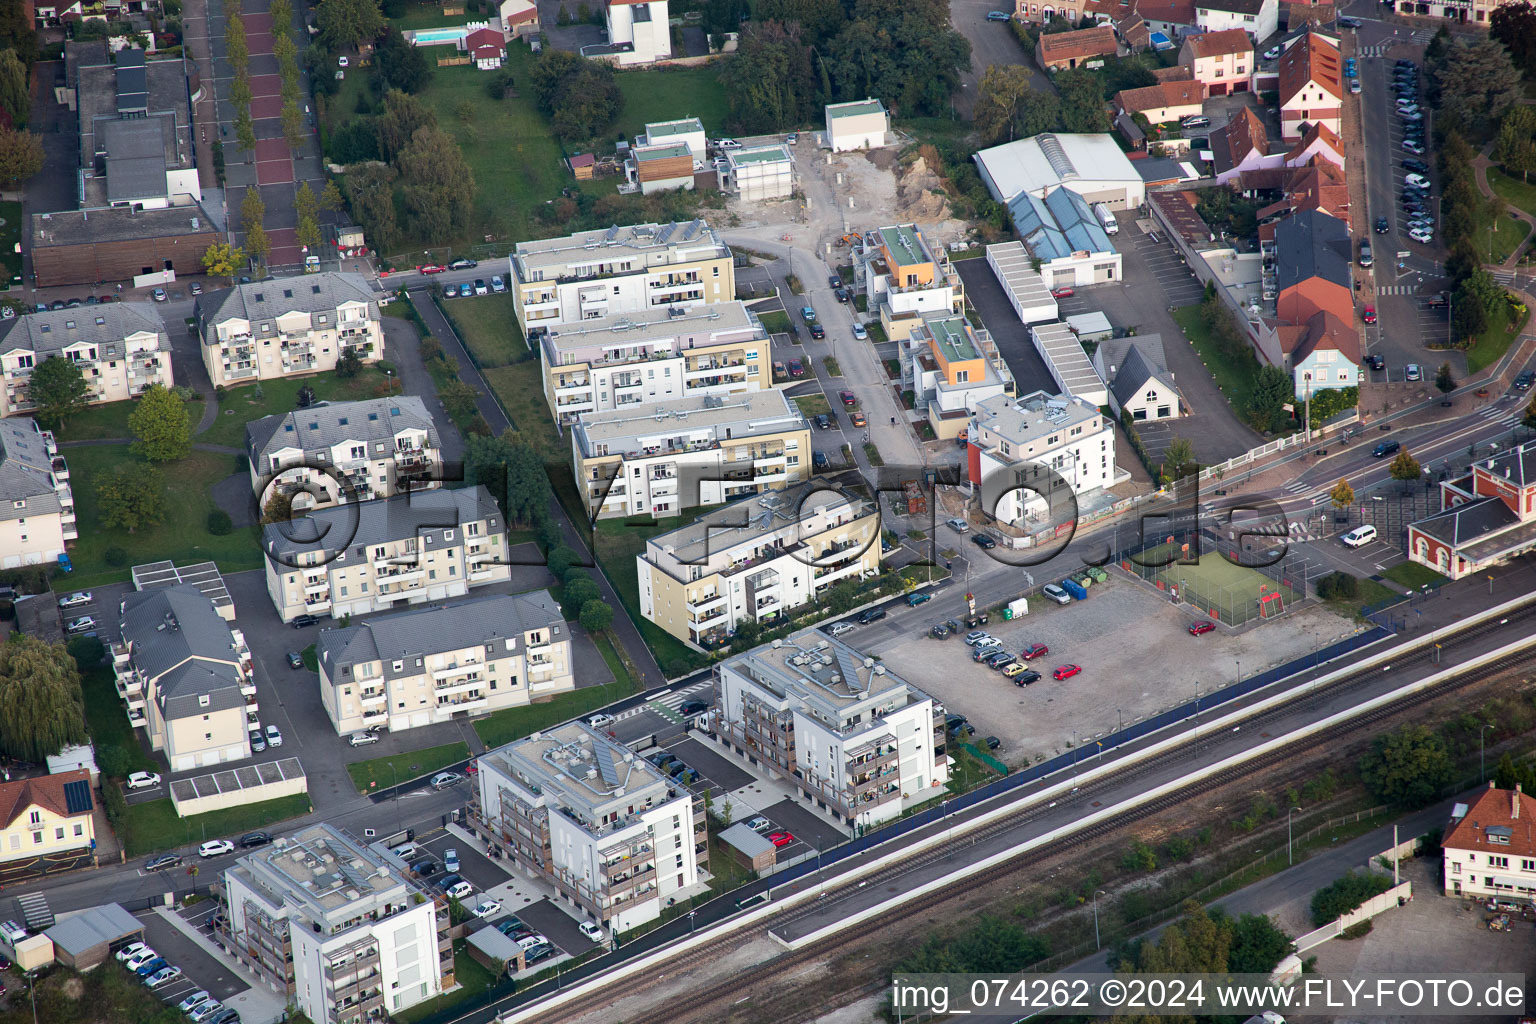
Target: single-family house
(487, 47)
(1312, 259)
(1163, 102)
(1136, 371)
(1221, 61)
(1311, 86)
(1243, 145)
(1325, 356)
(519, 18)
(639, 32)
(1319, 142)
(861, 124)
(1060, 51)
(1259, 18)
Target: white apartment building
(1490, 847)
(759, 557)
(639, 32)
(37, 507)
(1028, 457)
(288, 327)
(688, 130)
(121, 349)
(758, 173)
(603, 273)
(861, 124)
(378, 447)
(373, 556)
(186, 677)
(617, 838)
(854, 737)
(436, 664)
(657, 460)
(337, 929)
(1259, 18)
(906, 280)
(656, 355)
(950, 367)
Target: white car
(132, 950)
(1413, 372)
(74, 600)
(80, 625)
(215, 848)
(759, 824)
(1422, 235)
(442, 780)
(362, 739)
(139, 959)
(860, 333)
(143, 780)
(591, 931)
(958, 525)
(1056, 594)
(1272, 53)
(164, 976)
(529, 941)
(205, 1011)
(459, 891)
(1359, 536)
(839, 628)
(498, 285)
(979, 638)
(599, 721)
(274, 738)
(341, 62)
(487, 907)
(727, 144)
(451, 861)
(1415, 181)
(406, 851)
(193, 1001)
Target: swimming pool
(428, 36)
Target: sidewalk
(259, 1004)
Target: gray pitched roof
(1135, 369)
(104, 326)
(1058, 225)
(354, 526)
(320, 427)
(434, 630)
(176, 637)
(1518, 465)
(97, 926)
(1311, 244)
(26, 470)
(1469, 521)
(265, 301)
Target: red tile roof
(1496, 809)
(1326, 331)
(1163, 94)
(46, 792)
(1172, 12)
(1317, 131)
(1311, 59)
(1088, 42)
(1174, 73)
(1245, 133)
(1217, 44)
(485, 37)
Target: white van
(1106, 219)
(1359, 536)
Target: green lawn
(430, 15)
(108, 421)
(775, 321)
(1515, 192)
(241, 405)
(182, 535)
(813, 405)
(153, 825)
(1509, 233)
(107, 718)
(1234, 381)
(488, 326)
(1412, 574)
(670, 94)
(514, 723)
(520, 387)
(616, 546)
(10, 238)
(1495, 341)
(413, 764)
(472, 979)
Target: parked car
(848, 398)
(839, 628)
(300, 621)
(1064, 292)
(131, 950)
(1412, 372)
(1369, 315)
(164, 976)
(869, 615)
(1273, 53)
(1195, 121)
(958, 525)
(823, 421)
(860, 333)
(143, 780)
(442, 780)
(215, 848)
(981, 540)
(1418, 166)
(781, 838)
(972, 639)
(205, 1011)
(1359, 536)
(75, 600)
(692, 708)
(193, 1001)
(1031, 651)
(258, 741)
(1525, 380)
(463, 265)
(1422, 235)
(913, 600)
(796, 368)
(809, 313)
(998, 15)
(1354, 86)
(999, 660)
(295, 659)
(1375, 362)
(1066, 672)
(1386, 448)
(251, 839)
(842, 294)
(466, 290)
(362, 739)
(818, 332)
(986, 650)
(591, 930)
(1382, 225)
(1413, 146)
(819, 460)
(857, 419)
(274, 736)
(498, 284)
(481, 288)
(159, 294)
(1201, 628)
(150, 966)
(1056, 594)
(727, 144)
(486, 907)
(780, 371)
(426, 867)
(1415, 181)
(1026, 677)
(80, 625)
(451, 859)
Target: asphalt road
(992, 42)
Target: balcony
(400, 577)
(564, 387)
(457, 669)
(372, 699)
(319, 606)
(317, 586)
(379, 717)
(459, 686)
(482, 574)
(475, 557)
(453, 707)
(714, 617)
(60, 471)
(708, 603)
(241, 373)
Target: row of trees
(1008, 107)
(287, 53)
(795, 55)
(21, 152)
(1476, 296)
(580, 97)
(238, 53)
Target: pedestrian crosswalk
(1397, 289)
(1374, 50)
(667, 704)
(1294, 487)
(1301, 532)
(1505, 417)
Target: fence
(1367, 910)
(1222, 590)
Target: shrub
(242, 463)
(113, 760)
(86, 650)
(1333, 901)
(115, 557)
(219, 523)
(7, 611)
(1338, 585)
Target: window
(79, 830)
(58, 832)
(35, 818)
(37, 838)
(1498, 862)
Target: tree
(1082, 102)
(349, 364)
(17, 32)
(1409, 766)
(438, 186)
(245, 130)
(1514, 25)
(131, 497)
(44, 709)
(769, 81)
(308, 234)
(1469, 317)
(1258, 945)
(304, 202)
(371, 195)
(907, 54)
(257, 243)
(352, 143)
(458, 398)
(330, 197)
(748, 634)
(1529, 422)
(1476, 84)
(561, 560)
(399, 65)
(224, 260)
(596, 616)
(253, 209)
(1272, 388)
(579, 588)
(1179, 455)
(346, 23)
(1342, 495)
(21, 156)
(580, 97)
(1343, 895)
(1516, 148)
(162, 426)
(1443, 379)
(1405, 467)
(292, 120)
(998, 94)
(59, 389)
(15, 94)
(278, 509)
(1038, 111)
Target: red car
(473, 768)
(1066, 671)
(1062, 293)
(848, 400)
(1034, 651)
(1369, 316)
(433, 268)
(1203, 626)
(781, 838)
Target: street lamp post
(1096, 894)
(1289, 858)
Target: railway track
(742, 985)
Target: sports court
(1224, 591)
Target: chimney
(1515, 813)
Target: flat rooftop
(668, 151)
(583, 771)
(1037, 415)
(1067, 360)
(704, 420)
(760, 155)
(753, 518)
(904, 240)
(319, 868)
(120, 224)
(953, 340)
(855, 108)
(650, 327)
(665, 129)
(205, 576)
(653, 242)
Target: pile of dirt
(920, 194)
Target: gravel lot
(1119, 636)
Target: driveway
(992, 42)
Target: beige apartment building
(377, 555)
(638, 359)
(121, 349)
(378, 447)
(436, 664)
(759, 557)
(186, 677)
(288, 327)
(37, 508)
(605, 273)
(657, 460)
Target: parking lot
(1121, 682)
(1178, 283)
